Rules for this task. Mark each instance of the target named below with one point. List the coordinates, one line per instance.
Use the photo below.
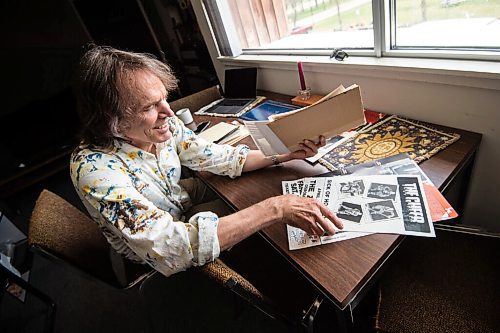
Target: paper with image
(365, 204)
(319, 188)
(402, 164)
(383, 204)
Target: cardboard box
(337, 112)
(334, 114)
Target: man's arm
(154, 234)
(257, 160)
(307, 214)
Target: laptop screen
(240, 83)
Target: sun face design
(382, 146)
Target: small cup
(305, 94)
(187, 118)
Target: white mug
(187, 118)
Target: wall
(40, 46)
(467, 100)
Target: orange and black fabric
(390, 136)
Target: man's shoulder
(91, 153)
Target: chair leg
(49, 320)
(143, 302)
(310, 315)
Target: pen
(228, 134)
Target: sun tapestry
(389, 136)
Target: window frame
(384, 30)
(395, 64)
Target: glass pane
(303, 24)
(447, 23)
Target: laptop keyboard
(234, 101)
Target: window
(459, 24)
(427, 28)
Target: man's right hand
(307, 214)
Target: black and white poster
(365, 204)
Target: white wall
(457, 97)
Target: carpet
(445, 284)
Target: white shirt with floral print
(136, 199)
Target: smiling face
(148, 123)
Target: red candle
(301, 76)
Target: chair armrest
(228, 278)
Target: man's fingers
(312, 146)
(318, 231)
(331, 216)
(322, 141)
(326, 225)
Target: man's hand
(307, 214)
(307, 149)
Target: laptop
(240, 91)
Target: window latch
(339, 54)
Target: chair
(219, 272)
(62, 233)
(197, 100)
(65, 235)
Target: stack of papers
(365, 204)
(225, 133)
(218, 132)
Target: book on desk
(267, 109)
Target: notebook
(219, 132)
(266, 109)
(240, 92)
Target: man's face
(149, 123)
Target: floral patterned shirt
(136, 199)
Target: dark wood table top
(339, 270)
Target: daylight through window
(362, 26)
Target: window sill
(478, 74)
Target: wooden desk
(342, 271)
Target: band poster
(366, 204)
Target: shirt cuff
(240, 153)
(208, 241)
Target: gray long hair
(105, 93)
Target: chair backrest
(197, 100)
(65, 234)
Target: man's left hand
(307, 149)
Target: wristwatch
(275, 160)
